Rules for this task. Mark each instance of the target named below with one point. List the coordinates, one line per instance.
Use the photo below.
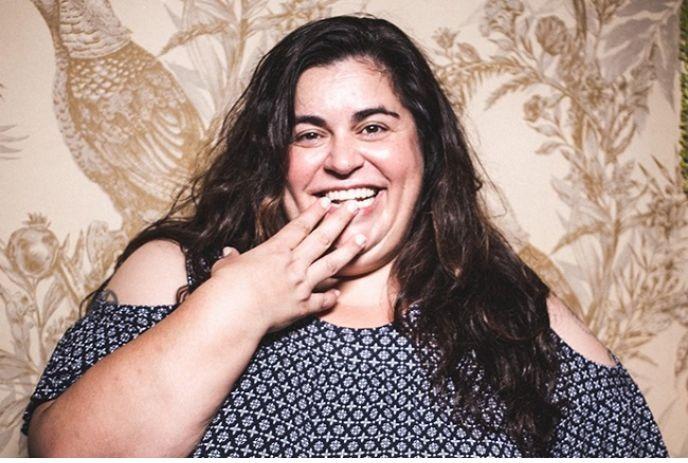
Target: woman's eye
(307, 137)
(373, 129)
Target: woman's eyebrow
(358, 116)
(364, 113)
(308, 119)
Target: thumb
(228, 251)
(227, 254)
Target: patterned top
(316, 389)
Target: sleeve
(604, 411)
(104, 329)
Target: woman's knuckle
(302, 293)
(301, 225)
(323, 238)
(293, 280)
(331, 266)
(283, 254)
(303, 308)
(297, 272)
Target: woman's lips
(369, 208)
(363, 210)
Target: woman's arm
(605, 413)
(155, 395)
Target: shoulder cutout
(576, 334)
(152, 275)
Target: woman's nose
(344, 157)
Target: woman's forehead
(350, 84)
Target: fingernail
(360, 239)
(352, 206)
(325, 202)
(226, 251)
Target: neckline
(410, 316)
(350, 329)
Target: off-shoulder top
(316, 389)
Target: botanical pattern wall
(572, 107)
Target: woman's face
(353, 139)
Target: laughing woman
(336, 290)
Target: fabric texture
(316, 389)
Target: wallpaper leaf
(519, 83)
(53, 298)
(648, 37)
(6, 140)
(682, 355)
(633, 8)
(549, 147)
(197, 30)
(10, 410)
(12, 367)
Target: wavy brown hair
(478, 299)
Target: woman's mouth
(370, 201)
(364, 196)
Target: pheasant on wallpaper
(126, 121)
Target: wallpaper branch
(586, 84)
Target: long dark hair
(477, 298)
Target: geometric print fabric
(315, 390)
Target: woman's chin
(367, 261)
(355, 268)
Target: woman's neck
(365, 301)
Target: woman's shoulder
(151, 275)
(604, 411)
(576, 335)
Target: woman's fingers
(295, 231)
(333, 262)
(322, 301)
(293, 263)
(322, 238)
(327, 283)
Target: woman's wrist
(232, 310)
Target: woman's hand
(276, 282)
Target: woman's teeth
(363, 196)
(365, 202)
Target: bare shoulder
(574, 332)
(152, 275)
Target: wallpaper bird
(132, 130)
(126, 121)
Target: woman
(342, 293)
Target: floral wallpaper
(572, 107)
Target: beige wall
(571, 106)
